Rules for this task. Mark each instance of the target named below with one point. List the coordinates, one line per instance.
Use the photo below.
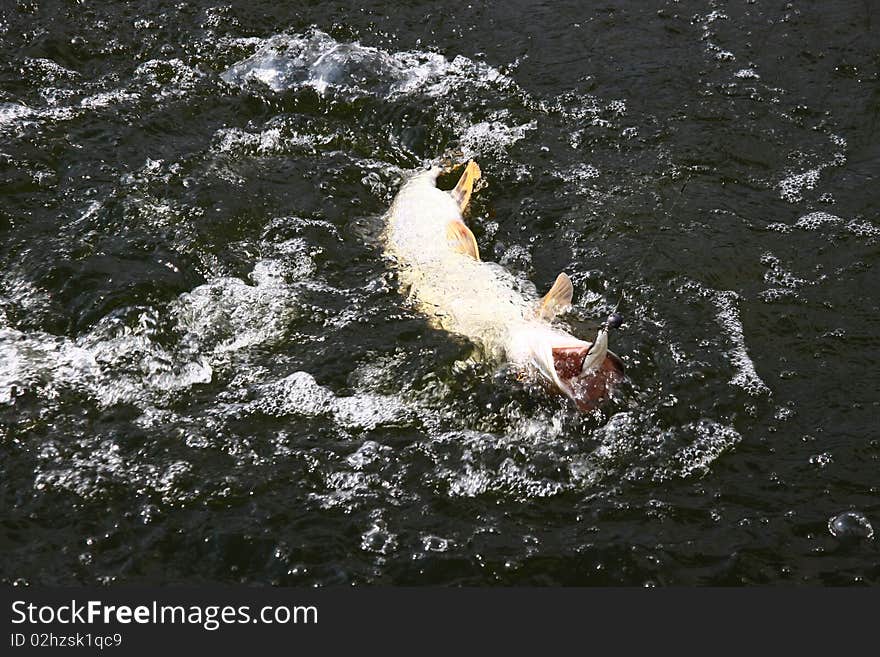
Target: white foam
(862, 228)
(125, 362)
(367, 411)
(368, 454)
(39, 361)
(746, 377)
(300, 394)
(88, 465)
(792, 187)
(296, 394)
(817, 220)
(492, 137)
(107, 98)
(48, 70)
(711, 440)
(317, 60)
(272, 141)
(227, 314)
(583, 172)
(16, 291)
(171, 77)
(633, 447)
(11, 112)
(777, 275)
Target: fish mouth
(586, 382)
(587, 373)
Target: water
(208, 375)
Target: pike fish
(440, 269)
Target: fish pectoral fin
(462, 240)
(465, 186)
(558, 299)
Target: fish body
(439, 268)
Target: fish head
(584, 372)
(586, 381)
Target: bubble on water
(785, 283)
(850, 525)
(367, 454)
(21, 296)
(791, 188)
(633, 447)
(86, 470)
(711, 439)
(132, 368)
(777, 275)
(862, 228)
(583, 172)
(471, 463)
(774, 295)
(46, 71)
(90, 466)
(516, 255)
(379, 539)
(371, 480)
(469, 482)
(817, 220)
(617, 107)
(153, 418)
(822, 460)
(784, 413)
(747, 74)
(431, 543)
(838, 140)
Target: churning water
(207, 372)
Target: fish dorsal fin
(558, 299)
(465, 185)
(461, 239)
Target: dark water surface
(207, 373)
